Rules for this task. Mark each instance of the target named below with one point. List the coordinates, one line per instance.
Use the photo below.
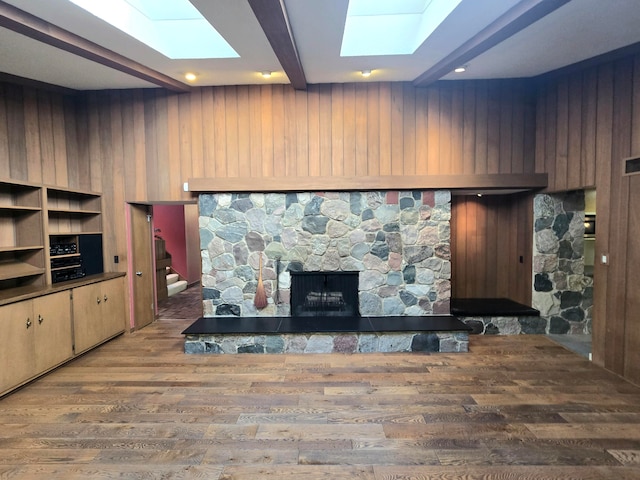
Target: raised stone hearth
(327, 335)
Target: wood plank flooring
(519, 407)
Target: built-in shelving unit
(42, 230)
(55, 299)
(22, 260)
(72, 216)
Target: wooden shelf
(17, 269)
(18, 209)
(21, 249)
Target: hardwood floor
(519, 407)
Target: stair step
(176, 287)
(172, 278)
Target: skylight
(174, 28)
(381, 27)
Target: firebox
(324, 294)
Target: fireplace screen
(324, 294)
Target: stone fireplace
(398, 243)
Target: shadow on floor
(186, 305)
(580, 344)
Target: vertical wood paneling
(362, 113)
(174, 147)
(422, 144)
(481, 126)
(489, 235)
(446, 125)
(373, 129)
(409, 130)
(597, 113)
(506, 127)
(32, 134)
(230, 162)
(349, 132)
(290, 134)
(196, 143)
(589, 122)
(256, 131)
(313, 129)
(493, 127)
(244, 132)
(302, 134)
(337, 127)
(59, 141)
(218, 162)
(385, 129)
(325, 130)
(574, 150)
(469, 129)
(433, 131)
(279, 148)
(267, 131)
(184, 139)
(397, 129)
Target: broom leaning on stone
(260, 300)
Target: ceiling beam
(33, 27)
(514, 20)
(273, 19)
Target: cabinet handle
(106, 298)
(28, 322)
(40, 319)
(98, 300)
(139, 274)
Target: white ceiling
(576, 31)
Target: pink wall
(169, 219)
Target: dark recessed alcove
(324, 294)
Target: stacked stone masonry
(449, 342)
(562, 292)
(398, 241)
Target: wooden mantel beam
(33, 27)
(487, 182)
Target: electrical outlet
(604, 259)
(116, 259)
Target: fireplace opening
(326, 294)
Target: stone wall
(398, 241)
(562, 292)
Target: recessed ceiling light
(366, 73)
(461, 68)
(265, 74)
(190, 76)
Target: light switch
(604, 259)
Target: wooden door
(16, 344)
(113, 319)
(142, 266)
(87, 317)
(52, 322)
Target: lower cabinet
(98, 313)
(43, 332)
(36, 337)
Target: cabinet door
(16, 344)
(87, 317)
(52, 322)
(112, 307)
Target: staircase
(174, 284)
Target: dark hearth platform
(304, 325)
(493, 307)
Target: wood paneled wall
(587, 123)
(142, 145)
(491, 241)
